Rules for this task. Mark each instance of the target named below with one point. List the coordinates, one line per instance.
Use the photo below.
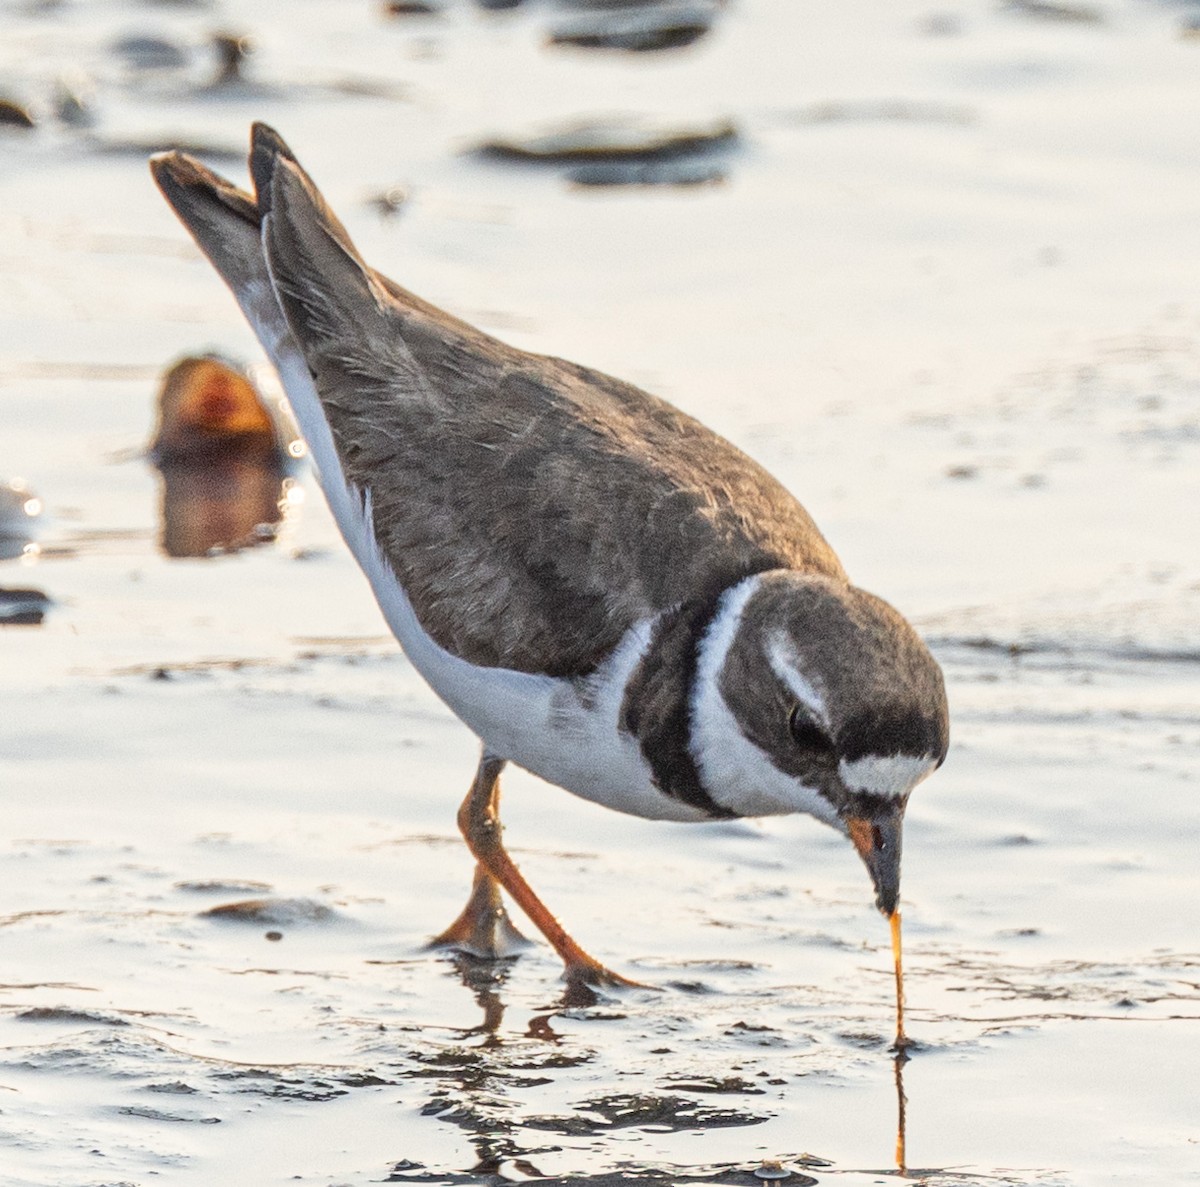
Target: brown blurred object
(15, 115)
(223, 459)
(623, 139)
(1053, 10)
(637, 28)
(411, 8)
(209, 407)
(220, 504)
(232, 50)
(390, 201)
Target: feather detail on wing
(532, 510)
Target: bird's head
(814, 696)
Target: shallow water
(946, 291)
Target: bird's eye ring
(806, 733)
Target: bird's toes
(486, 935)
(587, 981)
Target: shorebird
(604, 591)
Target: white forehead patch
(886, 774)
(785, 664)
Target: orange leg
(479, 820)
(484, 928)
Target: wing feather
(531, 509)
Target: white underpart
(786, 665)
(888, 775)
(261, 307)
(738, 774)
(563, 730)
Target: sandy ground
(947, 291)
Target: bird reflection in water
(478, 1074)
(900, 1046)
(485, 979)
(224, 457)
(900, 1059)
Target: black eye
(806, 733)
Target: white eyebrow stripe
(888, 775)
(783, 660)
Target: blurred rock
(1052, 10)
(281, 912)
(637, 29)
(912, 111)
(224, 886)
(389, 202)
(403, 8)
(611, 140)
(15, 115)
(143, 146)
(232, 50)
(368, 88)
(223, 458)
(71, 1016)
(73, 94)
(207, 406)
(941, 24)
(23, 607)
(221, 504)
(647, 173)
(166, 69)
(150, 53)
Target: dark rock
(150, 53)
(278, 911)
(608, 140)
(638, 29)
(1054, 10)
(404, 8)
(648, 173)
(23, 607)
(232, 49)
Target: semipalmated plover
(607, 593)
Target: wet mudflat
(969, 344)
